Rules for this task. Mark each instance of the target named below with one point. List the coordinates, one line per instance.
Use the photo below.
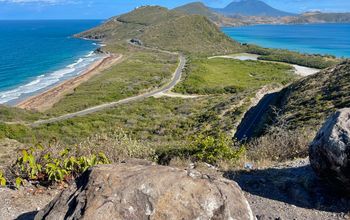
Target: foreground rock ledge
(135, 191)
(330, 151)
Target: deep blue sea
(36, 55)
(331, 39)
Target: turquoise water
(331, 39)
(36, 55)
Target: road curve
(175, 79)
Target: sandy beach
(47, 99)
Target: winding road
(175, 79)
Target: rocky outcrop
(144, 191)
(330, 151)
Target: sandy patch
(304, 71)
(240, 56)
(175, 95)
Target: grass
(191, 34)
(166, 29)
(9, 114)
(308, 102)
(141, 71)
(220, 75)
(281, 55)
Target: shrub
(205, 148)
(2, 179)
(47, 167)
(212, 149)
(280, 144)
(118, 146)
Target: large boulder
(146, 191)
(330, 151)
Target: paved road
(252, 118)
(175, 79)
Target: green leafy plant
(2, 179)
(18, 182)
(28, 164)
(212, 149)
(45, 166)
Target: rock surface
(135, 191)
(330, 151)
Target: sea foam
(46, 81)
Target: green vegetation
(8, 114)
(212, 149)
(313, 61)
(2, 179)
(44, 165)
(141, 71)
(198, 8)
(166, 29)
(308, 102)
(220, 75)
(13, 131)
(192, 34)
(148, 15)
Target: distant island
(249, 12)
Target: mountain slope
(198, 8)
(308, 102)
(192, 33)
(322, 18)
(251, 8)
(166, 29)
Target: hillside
(251, 8)
(165, 29)
(308, 102)
(130, 24)
(192, 34)
(322, 18)
(198, 8)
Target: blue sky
(97, 9)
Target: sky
(102, 9)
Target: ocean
(333, 39)
(36, 55)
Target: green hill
(198, 8)
(165, 29)
(192, 34)
(308, 102)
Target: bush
(280, 144)
(47, 167)
(2, 179)
(206, 148)
(213, 150)
(309, 60)
(118, 146)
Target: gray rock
(144, 191)
(330, 151)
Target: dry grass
(280, 144)
(117, 146)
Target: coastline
(46, 99)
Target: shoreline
(298, 69)
(46, 99)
